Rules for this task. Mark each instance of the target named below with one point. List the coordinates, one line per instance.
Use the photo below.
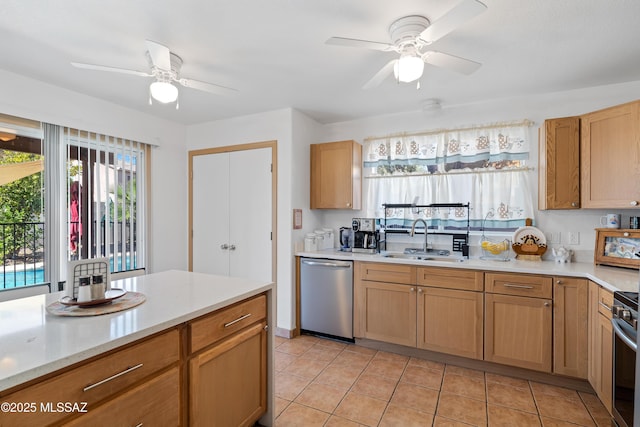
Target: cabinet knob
(412, 289)
(266, 327)
(634, 203)
(348, 204)
(419, 290)
(625, 234)
(574, 204)
(547, 304)
(559, 282)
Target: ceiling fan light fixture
(408, 68)
(163, 92)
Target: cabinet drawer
(605, 302)
(224, 322)
(451, 278)
(155, 403)
(390, 273)
(96, 380)
(528, 285)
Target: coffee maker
(365, 235)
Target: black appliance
(365, 235)
(625, 327)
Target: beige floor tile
(465, 372)
(500, 416)
(468, 386)
(436, 366)
(552, 390)
(289, 386)
(413, 396)
(424, 377)
(280, 405)
(320, 352)
(282, 360)
(570, 410)
(396, 416)
(385, 355)
(279, 340)
(296, 415)
(321, 396)
(463, 409)
(386, 368)
(511, 397)
(306, 368)
(374, 386)
(552, 422)
(296, 346)
(362, 350)
(336, 421)
(338, 376)
(597, 410)
(439, 421)
(361, 409)
(510, 381)
(350, 358)
(332, 344)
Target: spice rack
(460, 241)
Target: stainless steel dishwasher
(326, 297)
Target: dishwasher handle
(346, 264)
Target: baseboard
(286, 333)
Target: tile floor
(328, 383)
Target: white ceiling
(274, 51)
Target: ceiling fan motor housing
(167, 76)
(404, 32)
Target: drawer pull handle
(226, 325)
(605, 306)
(511, 285)
(112, 377)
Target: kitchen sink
(421, 256)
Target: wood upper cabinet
(336, 175)
(559, 164)
(450, 321)
(610, 155)
(570, 326)
(600, 368)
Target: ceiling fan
(410, 36)
(165, 69)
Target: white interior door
(210, 213)
(250, 225)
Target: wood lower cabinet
(385, 312)
(609, 156)
(518, 331)
(336, 175)
(600, 368)
(559, 164)
(450, 321)
(227, 383)
(570, 326)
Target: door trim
(274, 195)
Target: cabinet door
(228, 382)
(605, 336)
(559, 164)
(155, 402)
(336, 175)
(450, 321)
(610, 154)
(210, 214)
(600, 344)
(518, 331)
(570, 327)
(386, 312)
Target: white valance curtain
(483, 165)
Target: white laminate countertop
(611, 278)
(34, 342)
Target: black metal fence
(22, 251)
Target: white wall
(33, 99)
(533, 107)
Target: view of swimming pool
(18, 278)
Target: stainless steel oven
(625, 326)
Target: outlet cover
(574, 238)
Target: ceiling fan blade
(110, 69)
(455, 63)
(207, 87)
(160, 55)
(380, 75)
(461, 13)
(341, 41)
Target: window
(484, 166)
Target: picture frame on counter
(617, 247)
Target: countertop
(34, 343)
(611, 278)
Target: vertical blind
(106, 198)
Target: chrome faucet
(426, 234)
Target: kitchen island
(187, 328)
